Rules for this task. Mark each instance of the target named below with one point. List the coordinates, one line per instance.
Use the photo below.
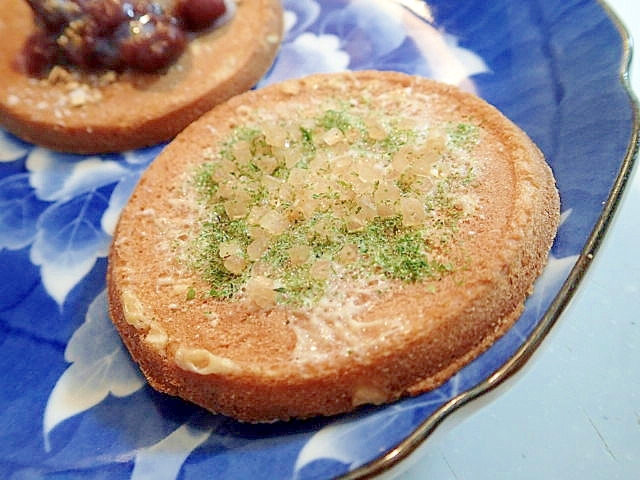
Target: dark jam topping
(116, 35)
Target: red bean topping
(116, 35)
(40, 53)
(151, 45)
(199, 14)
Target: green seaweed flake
(224, 284)
(336, 119)
(395, 251)
(396, 139)
(464, 135)
(385, 246)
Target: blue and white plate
(72, 405)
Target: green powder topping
(348, 194)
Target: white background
(574, 411)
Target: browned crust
(137, 110)
(444, 331)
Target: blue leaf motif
(19, 212)
(164, 460)
(555, 273)
(334, 442)
(75, 231)
(136, 162)
(370, 34)
(308, 53)
(68, 242)
(58, 177)
(368, 30)
(99, 366)
(299, 15)
(119, 197)
(11, 148)
(350, 441)
(139, 159)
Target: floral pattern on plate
(72, 405)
